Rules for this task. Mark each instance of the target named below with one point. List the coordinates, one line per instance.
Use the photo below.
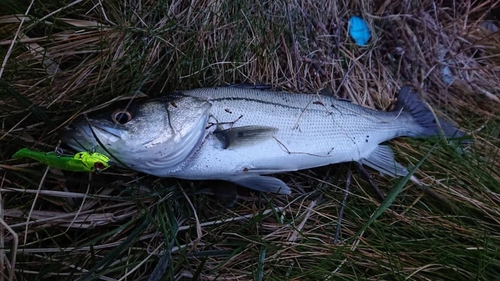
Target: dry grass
(61, 58)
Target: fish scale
(242, 135)
(312, 131)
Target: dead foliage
(61, 58)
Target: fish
(245, 135)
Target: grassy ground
(61, 58)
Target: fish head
(144, 136)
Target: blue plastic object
(359, 31)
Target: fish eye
(121, 116)
(98, 166)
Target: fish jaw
(83, 136)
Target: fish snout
(74, 137)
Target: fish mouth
(103, 130)
(87, 135)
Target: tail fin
(409, 101)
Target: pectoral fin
(382, 160)
(262, 183)
(245, 135)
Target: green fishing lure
(80, 162)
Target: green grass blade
(27, 104)
(391, 196)
(93, 273)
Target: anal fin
(262, 183)
(382, 160)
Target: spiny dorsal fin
(245, 135)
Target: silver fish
(241, 134)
